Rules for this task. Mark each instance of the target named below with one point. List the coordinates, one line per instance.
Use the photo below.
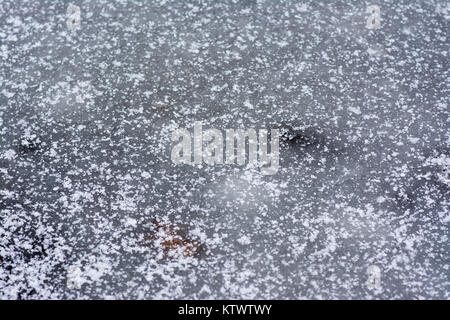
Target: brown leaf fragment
(172, 240)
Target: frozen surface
(92, 207)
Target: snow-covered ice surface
(91, 205)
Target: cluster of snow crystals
(91, 205)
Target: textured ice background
(85, 124)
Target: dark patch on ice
(29, 144)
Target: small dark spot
(304, 138)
